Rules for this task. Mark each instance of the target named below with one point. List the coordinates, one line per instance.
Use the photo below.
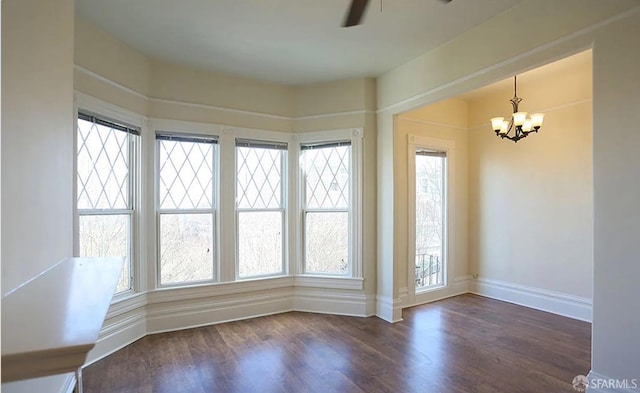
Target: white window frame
(416, 143)
(234, 134)
(101, 109)
(186, 129)
(355, 270)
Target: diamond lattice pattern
(103, 167)
(186, 175)
(259, 178)
(327, 177)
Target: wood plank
(459, 345)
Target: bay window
(106, 162)
(186, 203)
(326, 210)
(260, 207)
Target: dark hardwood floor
(463, 344)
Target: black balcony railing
(428, 270)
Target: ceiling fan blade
(355, 13)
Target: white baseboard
(165, 317)
(599, 383)
(117, 334)
(389, 309)
(458, 286)
(541, 299)
(354, 305)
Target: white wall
(37, 148)
(37, 133)
(616, 143)
(531, 202)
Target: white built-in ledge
(50, 323)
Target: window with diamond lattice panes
(327, 207)
(260, 207)
(187, 210)
(106, 162)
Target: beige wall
(494, 51)
(37, 145)
(616, 169)
(531, 203)
(37, 133)
(443, 120)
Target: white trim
(117, 335)
(354, 135)
(389, 309)
(449, 146)
(125, 305)
(219, 108)
(109, 81)
(315, 281)
(432, 123)
(457, 287)
(512, 60)
(114, 112)
(571, 306)
(215, 107)
(69, 383)
(334, 114)
(183, 293)
(315, 301)
(205, 312)
(180, 126)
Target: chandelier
(520, 125)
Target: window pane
(186, 247)
(259, 243)
(103, 167)
(186, 175)
(327, 177)
(327, 242)
(259, 178)
(429, 220)
(107, 236)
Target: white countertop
(50, 323)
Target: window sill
(331, 282)
(218, 289)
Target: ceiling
(532, 76)
(287, 41)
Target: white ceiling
(287, 41)
(532, 76)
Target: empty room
(328, 196)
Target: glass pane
(103, 167)
(107, 236)
(186, 248)
(259, 178)
(327, 177)
(327, 242)
(259, 243)
(429, 221)
(186, 175)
